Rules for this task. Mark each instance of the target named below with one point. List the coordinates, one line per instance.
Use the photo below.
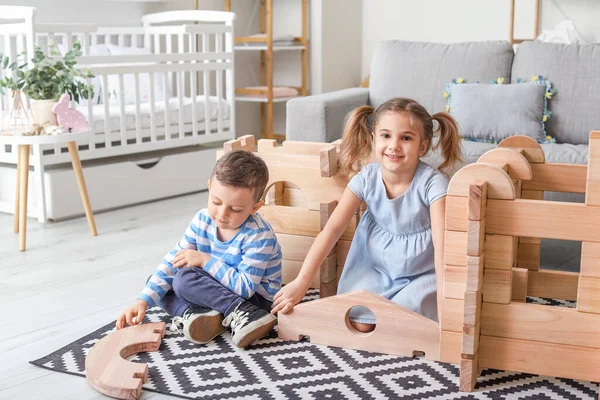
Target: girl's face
(398, 144)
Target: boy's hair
(356, 140)
(242, 169)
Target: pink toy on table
(71, 120)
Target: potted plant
(49, 76)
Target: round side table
(24, 143)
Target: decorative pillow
(492, 112)
(129, 80)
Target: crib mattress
(114, 121)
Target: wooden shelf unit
(266, 47)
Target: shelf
(265, 47)
(259, 99)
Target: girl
(392, 253)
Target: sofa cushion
(494, 112)
(573, 71)
(421, 70)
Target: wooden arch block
(398, 331)
(106, 369)
(499, 184)
(531, 149)
(518, 166)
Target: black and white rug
(275, 369)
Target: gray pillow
(494, 112)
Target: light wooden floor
(68, 283)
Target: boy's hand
(288, 296)
(190, 258)
(137, 310)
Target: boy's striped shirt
(248, 263)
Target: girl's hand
(190, 258)
(137, 311)
(288, 296)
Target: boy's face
(230, 206)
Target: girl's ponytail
(356, 140)
(449, 140)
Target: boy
(226, 269)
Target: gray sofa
(421, 71)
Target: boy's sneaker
(199, 324)
(249, 323)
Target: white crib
(164, 102)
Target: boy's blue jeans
(195, 286)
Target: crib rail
(156, 86)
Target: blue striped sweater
(248, 263)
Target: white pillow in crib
(129, 80)
(94, 50)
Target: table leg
(16, 223)
(82, 188)
(38, 167)
(23, 183)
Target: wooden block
(452, 315)
(298, 221)
(326, 209)
(569, 178)
(274, 195)
(342, 249)
(519, 288)
(399, 331)
(455, 248)
(295, 197)
(592, 188)
(450, 346)
(497, 286)
(499, 250)
(267, 145)
(530, 218)
(475, 237)
(542, 323)
(295, 247)
(469, 370)
(329, 161)
(524, 145)
(455, 279)
(529, 256)
(246, 142)
(539, 358)
(475, 273)
(477, 201)
(588, 298)
(457, 213)
(328, 289)
(472, 308)
(106, 369)
(329, 269)
(500, 185)
(518, 188)
(553, 284)
(518, 165)
(291, 269)
(590, 260)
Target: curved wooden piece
(518, 166)
(531, 149)
(500, 185)
(398, 331)
(108, 372)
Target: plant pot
(41, 111)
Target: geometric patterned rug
(276, 369)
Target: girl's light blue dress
(392, 250)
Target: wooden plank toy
(106, 369)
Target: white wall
(465, 20)
(101, 12)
